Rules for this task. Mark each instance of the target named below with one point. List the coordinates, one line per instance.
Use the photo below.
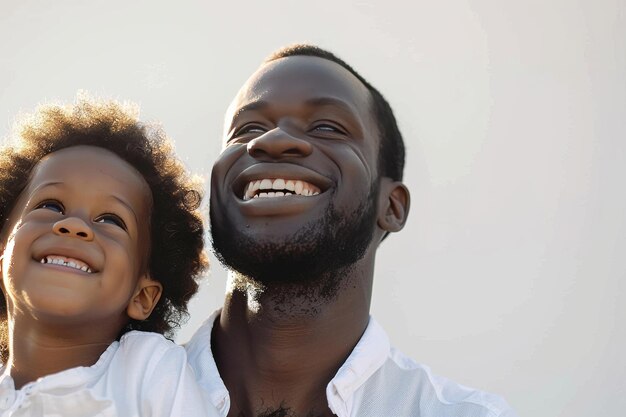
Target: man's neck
(281, 347)
(38, 349)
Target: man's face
(293, 193)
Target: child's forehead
(77, 161)
(92, 170)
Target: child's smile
(77, 239)
(62, 261)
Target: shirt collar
(200, 355)
(7, 389)
(369, 354)
(68, 380)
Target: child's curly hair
(177, 256)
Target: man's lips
(279, 180)
(279, 187)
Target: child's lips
(54, 253)
(68, 262)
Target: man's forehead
(298, 78)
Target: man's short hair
(391, 149)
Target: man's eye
(111, 219)
(327, 127)
(250, 128)
(51, 205)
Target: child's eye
(111, 219)
(51, 205)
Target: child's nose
(73, 227)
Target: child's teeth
(65, 262)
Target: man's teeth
(278, 188)
(69, 262)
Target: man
(306, 188)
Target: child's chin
(62, 308)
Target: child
(101, 242)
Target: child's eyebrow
(46, 184)
(29, 193)
(127, 205)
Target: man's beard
(314, 256)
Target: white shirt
(143, 374)
(375, 381)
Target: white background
(510, 273)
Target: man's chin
(312, 254)
(275, 262)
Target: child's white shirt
(143, 374)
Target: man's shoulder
(199, 346)
(376, 380)
(143, 354)
(147, 343)
(201, 360)
(403, 387)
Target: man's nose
(72, 226)
(277, 144)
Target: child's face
(77, 239)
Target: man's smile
(278, 188)
(264, 180)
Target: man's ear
(146, 296)
(393, 205)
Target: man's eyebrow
(331, 101)
(316, 101)
(255, 105)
